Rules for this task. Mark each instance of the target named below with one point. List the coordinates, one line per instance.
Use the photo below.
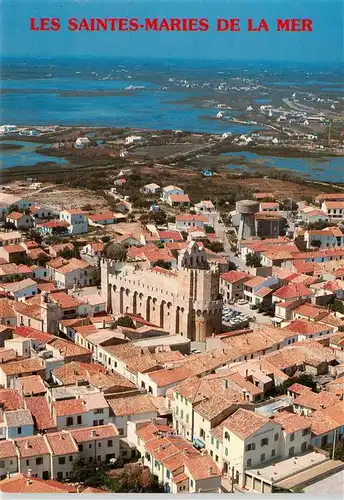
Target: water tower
(246, 210)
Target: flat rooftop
(162, 340)
(71, 392)
(272, 408)
(275, 471)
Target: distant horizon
(171, 58)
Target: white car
(242, 302)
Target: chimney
(29, 472)
(94, 433)
(246, 373)
(211, 471)
(27, 445)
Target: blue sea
(152, 95)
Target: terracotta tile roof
(66, 407)
(6, 308)
(85, 330)
(7, 449)
(170, 375)
(71, 373)
(234, 276)
(94, 433)
(73, 265)
(32, 385)
(133, 405)
(316, 401)
(7, 354)
(95, 401)
(191, 217)
(36, 253)
(32, 333)
(68, 349)
(61, 247)
(291, 422)
(101, 217)
(111, 382)
(305, 327)
(202, 467)
(240, 381)
(57, 263)
(54, 223)
(61, 443)
(150, 431)
(257, 280)
(293, 290)
(15, 215)
(23, 484)
(46, 287)
(18, 285)
(171, 235)
(179, 198)
(64, 300)
(299, 388)
(334, 204)
(267, 204)
(97, 246)
(11, 399)
(23, 366)
(13, 248)
(41, 413)
(212, 406)
(310, 311)
(328, 419)
(31, 446)
(18, 418)
(243, 423)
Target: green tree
(214, 246)
(35, 236)
(209, 229)
(125, 321)
(88, 473)
(162, 263)
(116, 251)
(134, 478)
(253, 260)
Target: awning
(197, 442)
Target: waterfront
(24, 155)
(329, 169)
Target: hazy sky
(325, 44)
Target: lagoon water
(109, 93)
(25, 156)
(329, 169)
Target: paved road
(245, 309)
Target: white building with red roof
(97, 443)
(170, 190)
(76, 219)
(292, 292)
(8, 458)
(34, 455)
(185, 221)
(232, 285)
(19, 220)
(64, 451)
